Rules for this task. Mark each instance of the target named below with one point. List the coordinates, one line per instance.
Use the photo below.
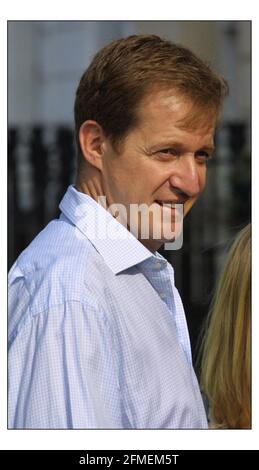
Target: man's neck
(93, 188)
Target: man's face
(161, 162)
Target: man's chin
(154, 243)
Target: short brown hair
(123, 71)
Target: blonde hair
(226, 350)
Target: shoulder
(59, 267)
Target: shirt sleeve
(62, 371)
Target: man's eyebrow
(207, 148)
(181, 147)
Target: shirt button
(162, 295)
(158, 265)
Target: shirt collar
(118, 247)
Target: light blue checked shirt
(97, 331)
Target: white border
(136, 439)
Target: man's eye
(203, 156)
(168, 151)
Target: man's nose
(186, 176)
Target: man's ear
(91, 138)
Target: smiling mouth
(171, 209)
(169, 204)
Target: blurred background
(45, 62)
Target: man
(98, 336)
